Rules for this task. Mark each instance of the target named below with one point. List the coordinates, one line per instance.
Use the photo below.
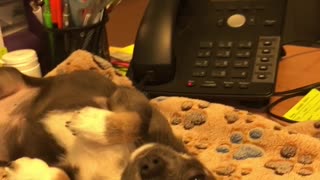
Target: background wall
(124, 22)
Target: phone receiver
(152, 59)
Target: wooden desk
(300, 67)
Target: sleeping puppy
(82, 126)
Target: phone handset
(153, 53)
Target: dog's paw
(32, 168)
(90, 124)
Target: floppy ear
(161, 132)
(10, 81)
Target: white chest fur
(95, 161)
(100, 163)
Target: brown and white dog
(82, 126)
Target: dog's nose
(151, 165)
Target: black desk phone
(209, 48)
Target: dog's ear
(161, 132)
(10, 81)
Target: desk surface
(300, 67)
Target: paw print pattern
(256, 134)
(190, 117)
(280, 167)
(316, 125)
(248, 151)
(231, 117)
(186, 105)
(285, 165)
(225, 170)
(176, 118)
(288, 151)
(246, 171)
(236, 138)
(223, 149)
(306, 159)
(305, 171)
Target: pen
(66, 15)
(48, 24)
(47, 15)
(37, 11)
(59, 13)
(53, 9)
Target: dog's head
(159, 162)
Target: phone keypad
(236, 64)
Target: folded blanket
(232, 143)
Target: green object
(47, 19)
(3, 51)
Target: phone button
(206, 44)
(221, 63)
(225, 44)
(263, 68)
(236, 20)
(243, 54)
(220, 22)
(261, 76)
(201, 63)
(270, 22)
(241, 64)
(209, 84)
(267, 43)
(219, 73)
(190, 83)
(223, 54)
(245, 44)
(266, 51)
(199, 73)
(204, 53)
(252, 20)
(264, 59)
(239, 74)
(228, 84)
(244, 85)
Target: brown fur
(123, 127)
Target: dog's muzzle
(158, 162)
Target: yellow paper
(124, 54)
(307, 109)
(3, 49)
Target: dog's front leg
(105, 127)
(33, 169)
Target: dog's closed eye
(196, 175)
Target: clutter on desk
(121, 57)
(63, 14)
(73, 24)
(24, 60)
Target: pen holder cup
(62, 42)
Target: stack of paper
(121, 57)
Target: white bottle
(25, 60)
